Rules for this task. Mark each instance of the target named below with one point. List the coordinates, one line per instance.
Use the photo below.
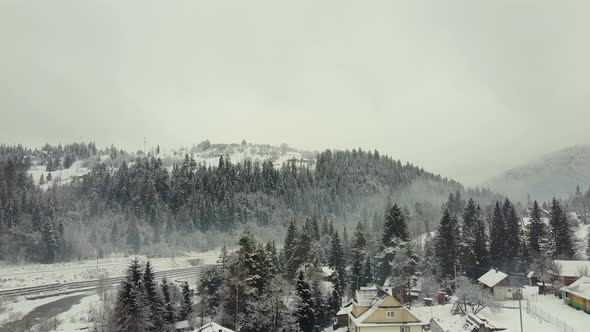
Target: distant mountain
(554, 174)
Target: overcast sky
(462, 88)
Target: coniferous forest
(139, 205)
(365, 217)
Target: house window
(405, 329)
(509, 290)
(390, 314)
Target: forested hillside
(143, 206)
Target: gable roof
(374, 297)
(580, 287)
(492, 277)
(213, 327)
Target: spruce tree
(290, 261)
(358, 254)
(304, 310)
(395, 231)
(480, 249)
(131, 310)
(560, 234)
(497, 236)
(368, 275)
(512, 237)
(536, 235)
(170, 312)
(133, 237)
(446, 244)
(156, 308)
(336, 261)
(186, 306)
(467, 244)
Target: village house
(577, 295)
(569, 271)
(213, 327)
(502, 286)
(374, 309)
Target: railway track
(71, 287)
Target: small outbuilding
(569, 271)
(577, 295)
(502, 286)
(213, 327)
(182, 326)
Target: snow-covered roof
(527, 221)
(573, 268)
(360, 321)
(213, 327)
(344, 310)
(183, 324)
(580, 287)
(365, 296)
(492, 277)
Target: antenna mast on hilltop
(144, 145)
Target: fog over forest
(447, 85)
(304, 166)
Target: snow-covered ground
(16, 276)
(59, 177)
(554, 311)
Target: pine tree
(536, 231)
(133, 237)
(512, 236)
(467, 259)
(290, 261)
(358, 254)
(186, 307)
(156, 306)
(169, 308)
(560, 234)
(51, 242)
(395, 231)
(447, 243)
(395, 228)
(497, 236)
(480, 249)
(336, 261)
(132, 313)
(334, 301)
(304, 311)
(368, 275)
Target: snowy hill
(204, 153)
(208, 154)
(554, 174)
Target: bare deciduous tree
(471, 298)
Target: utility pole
(520, 307)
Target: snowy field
(16, 276)
(554, 311)
(59, 177)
